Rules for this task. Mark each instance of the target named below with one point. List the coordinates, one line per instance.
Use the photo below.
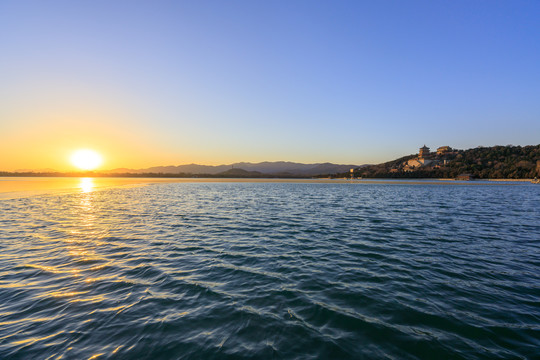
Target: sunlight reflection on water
(86, 184)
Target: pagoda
(424, 152)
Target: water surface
(272, 270)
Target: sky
(148, 83)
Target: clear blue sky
(311, 81)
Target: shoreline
(180, 178)
(20, 187)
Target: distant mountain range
(278, 168)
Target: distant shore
(210, 177)
(17, 187)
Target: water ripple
(296, 271)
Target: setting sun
(86, 159)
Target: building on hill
(424, 152)
(425, 159)
(415, 164)
(443, 150)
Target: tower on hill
(424, 152)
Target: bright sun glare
(86, 159)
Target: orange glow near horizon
(86, 159)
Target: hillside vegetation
(497, 162)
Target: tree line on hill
(497, 162)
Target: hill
(278, 168)
(497, 162)
(240, 173)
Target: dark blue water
(276, 270)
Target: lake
(151, 269)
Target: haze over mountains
(268, 168)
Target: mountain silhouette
(267, 168)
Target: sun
(86, 159)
